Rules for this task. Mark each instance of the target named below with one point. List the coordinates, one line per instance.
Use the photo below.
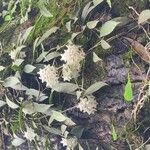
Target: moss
(60, 15)
(102, 52)
(127, 57)
(7, 31)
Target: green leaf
(41, 108)
(80, 147)
(41, 56)
(128, 93)
(32, 107)
(123, 20)
(8, 18)
(63, 128)
(43, 9)
(29, 68)
(92, 24)
(11, 104)
(2, 68)
(46, 35)
(52, 130)
(18, 62)
(58, 116)
(37, 94)
(11, 82)
(97, 2)
(109, 3)
(28, 107)
(17, 141)
(94, 87)
(69, 88)
(105, 45)
(114, 134)
(2, 103)
(51, 56)
(86, 10)
(26, 34)
(96, 58)
(77, 131)
(108, 27)
(144, 16)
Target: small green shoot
(114, 133)
(128, 92)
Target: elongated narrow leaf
(97, 2)
(26, 34)
(41, 57)
(109, 3)
(43, 10)
(114, 134)
(108, 27)
(46, 35)
(128, 93)
(94, 87)
(51, 56)
(86, 10)
(144, 16)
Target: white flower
(70, 72)
(73, 55)
(30, 134)
(49, 75)
(87, 104)
(70, 143)
(72, 58)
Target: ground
(119, 122)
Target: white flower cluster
(49, 75)
(87, 104)
(72, 58)
(70, 143)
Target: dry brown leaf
(139, 49)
